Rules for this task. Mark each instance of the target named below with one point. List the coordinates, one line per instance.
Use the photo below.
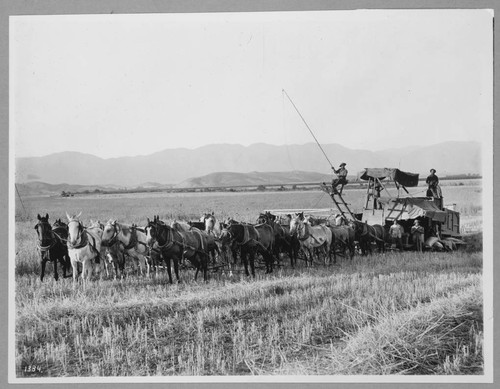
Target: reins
(46, 248)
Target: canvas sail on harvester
(398, 176)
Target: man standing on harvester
(341, 179)
(433, 189)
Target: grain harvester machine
(388, 200)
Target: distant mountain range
(213, 180)
(186, 167)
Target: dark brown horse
(52, 245)
(114, 260)
(250, 240)
(343, 239)
(365, 234)
(212, 247)
(176, 245)
(283, 240)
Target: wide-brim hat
(343, 164)
(433, 170)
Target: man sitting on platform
(341, 179)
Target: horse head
(270, 216)
(206, 216)
(60, 224)
(110, 233)
(359, 228)
(297, 225)
(225, 237)
(44, 231)
(180, 226)
(262, 218)
(154, 231)
(230, 221)
(151, 231)
(75, 229)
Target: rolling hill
(173, 166)
(253, 178)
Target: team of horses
(205, 245)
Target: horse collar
(83, 240)
(114, 238)
(133, 239)
(46, 248)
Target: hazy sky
(115, 85)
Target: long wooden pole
(309, 128)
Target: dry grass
(232, 327)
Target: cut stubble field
(393, 313)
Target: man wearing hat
(433, 189)
(341, 173)
(417, 233)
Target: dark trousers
(339, 181)
(417, 240)
(398, 242)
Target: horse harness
(308, 235)
(84, 240)
(46, 249)
(367, 232)
(246, 236)
(133, 239)
(168, 244)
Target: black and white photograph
(286, 196)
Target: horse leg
(167, 261)
(176, 269)
(74, 266)
(56, 276)
(202, 262)
(198, 264)
(84, 270)
(62, 261)
(244, 259)
(251, 257)
(205, 266)
(308, 256)
(146, 264)
(329, 249)
(44, 262)
(212, 255)
(268, 259)
(368, 247)
(332, 249)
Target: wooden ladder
(339, 202)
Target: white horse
(212, 226)
(133, 240)
(339, 220)
(311, 237)
(84, 245)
